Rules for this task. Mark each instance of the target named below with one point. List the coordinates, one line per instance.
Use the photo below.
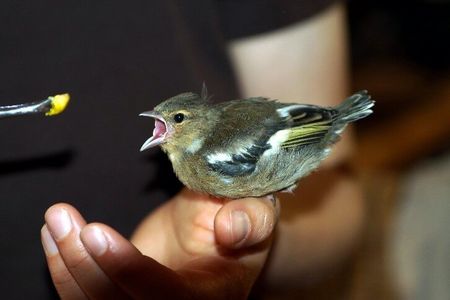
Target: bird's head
(180, 122)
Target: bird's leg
(272, 199)
(289, 189)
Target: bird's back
(252, 121)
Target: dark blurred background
(399, 52)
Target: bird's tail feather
(355, 107)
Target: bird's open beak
(160, 131)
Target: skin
(179, 249)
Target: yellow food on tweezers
(58, 104)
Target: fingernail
(95, 240)
(48, 243)
(239, 226)
(59, 223)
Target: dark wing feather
(240, 163)
(307, 124)
(242, 137)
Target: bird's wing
(242, 137)
(305, 124)
(236, 163)
(290, 125)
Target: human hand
(190, 247)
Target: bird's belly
(272, 173)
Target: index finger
(140, 276)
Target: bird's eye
(178, 118)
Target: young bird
(250, 147)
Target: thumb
(246, 222)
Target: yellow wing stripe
(305, 134)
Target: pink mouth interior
(160, 129)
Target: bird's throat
(160, 129)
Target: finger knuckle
(79, 262)
(61, 277)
